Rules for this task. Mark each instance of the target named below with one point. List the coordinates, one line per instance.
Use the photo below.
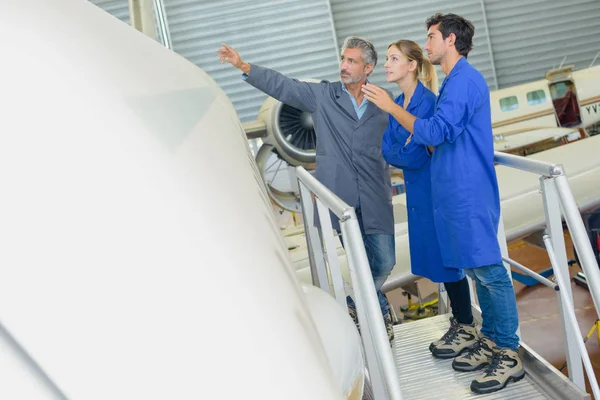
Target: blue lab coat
(414, 160)
(466, 203)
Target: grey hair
(368, 50)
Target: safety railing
(558, 202)
(324, 264)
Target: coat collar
(460, 64)
(416, 97)
(371, 109)
(414, 100)
(343, 100)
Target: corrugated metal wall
(384, 22)
(294, 37)
(118, 8)
(530, 37)
(298, 37)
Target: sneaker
(478, 356)
(460, 337)
(505, 366)
(389, 325)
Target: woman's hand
(379, 97)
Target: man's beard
(348, 79)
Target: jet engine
(289, 140)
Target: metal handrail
(373, 333)
(335, 204)
(531, 273)
(570, 211)
(587, 260)
(527, 164)
(380, 362)
(558, 197)
(573, 321)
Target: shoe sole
(452, 355)
(476, 368)
(492, 390)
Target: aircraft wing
(521, 200)
(523, 140)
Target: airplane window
(509, 103)
(536, 97)
(558, 90)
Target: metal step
(424, 377)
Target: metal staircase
(410, 372)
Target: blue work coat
(466, 203)
(415, 162)
(349, 160)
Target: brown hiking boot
(479, 356)
(505, 366)
(459, 338)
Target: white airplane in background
(528, 118)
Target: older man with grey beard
(349, 131)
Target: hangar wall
(515, 41)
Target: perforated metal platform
(424, 377)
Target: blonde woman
(416, 77)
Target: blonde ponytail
(428, 75)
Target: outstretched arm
(302, 95)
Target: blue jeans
(381, 254)
(498, 304)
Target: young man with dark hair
(466, 202)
